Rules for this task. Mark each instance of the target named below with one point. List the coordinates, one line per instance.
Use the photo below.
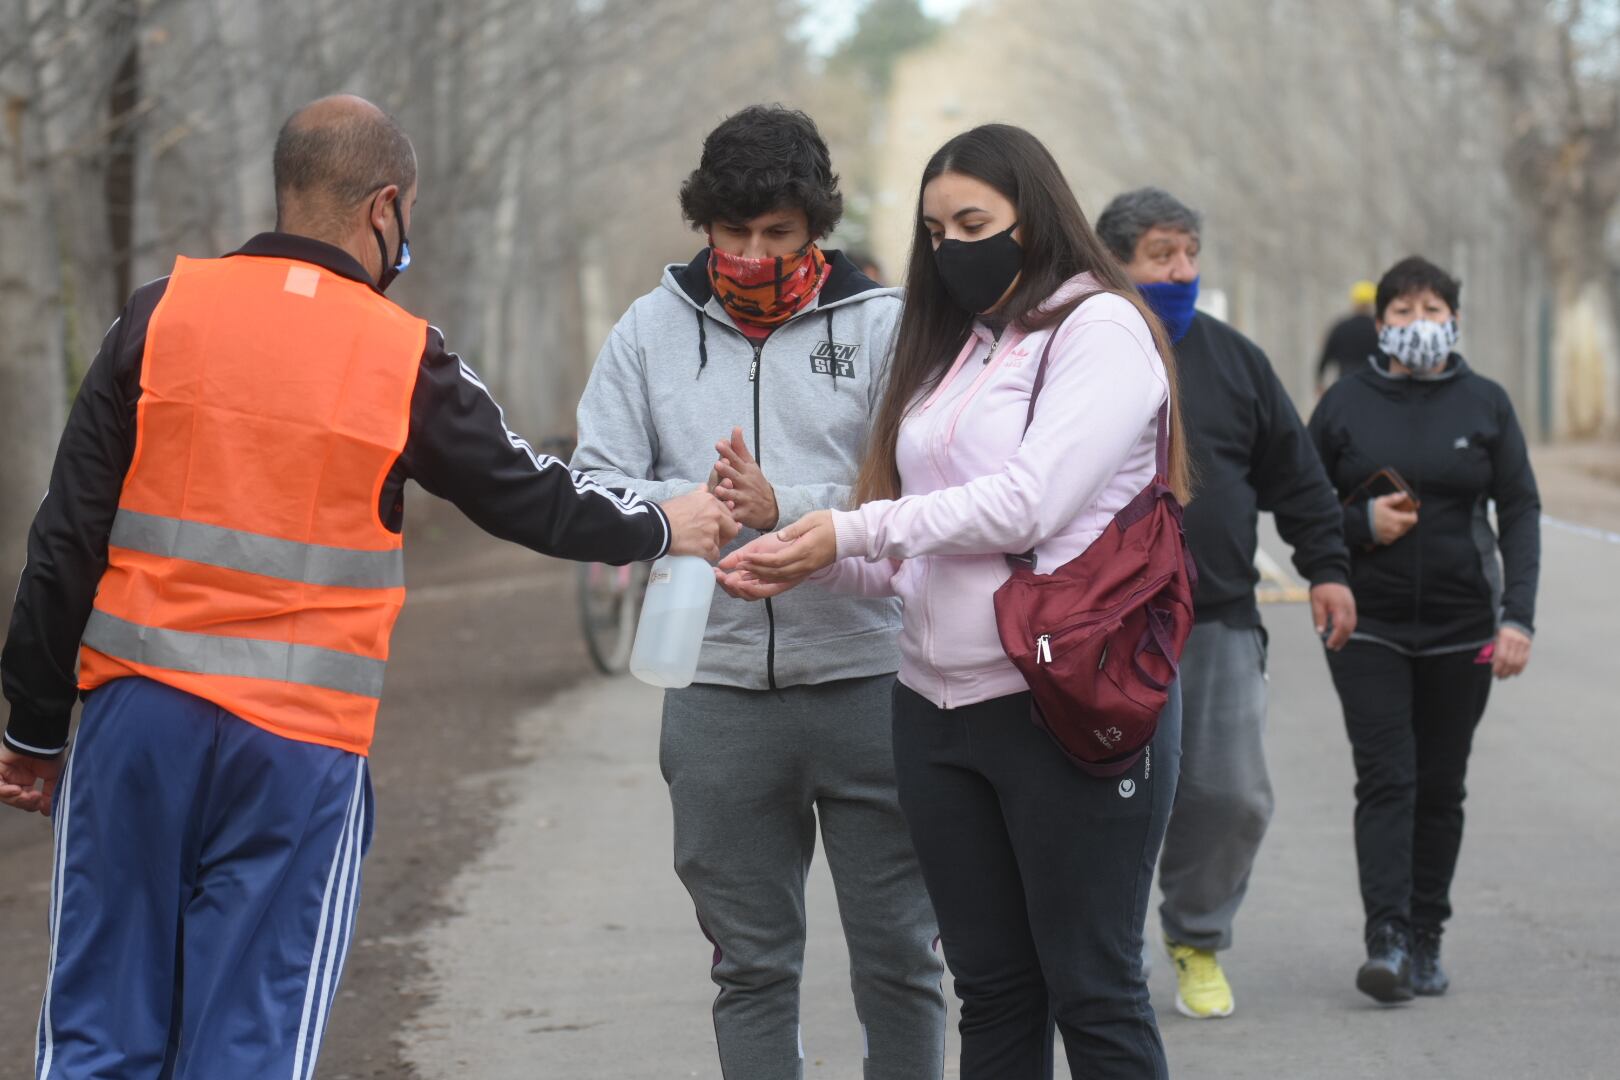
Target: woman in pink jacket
(1039, 872)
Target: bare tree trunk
(32, 379)
(1554, 73)
(1586, 375)
(1583, 354)
(82, 54)
(149, 125)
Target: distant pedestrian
(1353, 341)
(1420, 446)
(1250, 454)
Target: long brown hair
(1058, 243)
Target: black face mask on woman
(977, 273)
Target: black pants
(1411, 723)
(1039, 874)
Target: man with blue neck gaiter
(1250, 452)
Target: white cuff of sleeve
(18, 744)
(850, 529)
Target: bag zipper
(1043, 642)
(1043, 651)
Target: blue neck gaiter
(1174, 303)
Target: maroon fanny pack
(1099, 639)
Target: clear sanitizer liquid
(673, 617)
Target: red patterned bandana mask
(765, 293)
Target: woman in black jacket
(1439, 613)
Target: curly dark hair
(763, 158)
(1412, 275)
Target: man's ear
(381, 207)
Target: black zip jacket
(1349, 344)
(1456, 441)
(1249, 453)
(458, 448)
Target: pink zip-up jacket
(975, 487)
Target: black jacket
(1456, 441)
(458, 448)
(1351, 342)
(1249, 453)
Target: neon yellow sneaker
(1202, 991)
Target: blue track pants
(203, 893)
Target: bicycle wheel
(609, 606)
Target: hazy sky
(829, 21)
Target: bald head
(333, 153)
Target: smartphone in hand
(1386, 481)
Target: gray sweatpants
(1224, 800)
(749, 773)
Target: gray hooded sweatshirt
(673, 379)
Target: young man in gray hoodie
(756, 369)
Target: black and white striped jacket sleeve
(460, 449)
(67, 542)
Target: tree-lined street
(573, 952)
(521, 918)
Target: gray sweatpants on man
(749, 772)
(1224, 800)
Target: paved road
(573, 952)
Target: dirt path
(488, 633)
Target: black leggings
(1411, 723)
(1039, 874)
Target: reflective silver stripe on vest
(253, 658)
(254, 553)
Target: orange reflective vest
(247, 563)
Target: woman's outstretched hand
(740, 582)
(745, 586)
(788, 556)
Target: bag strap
(1027, 559)
(1161, 455)
(1040, 376)
(1159, 638)
(1161, 449)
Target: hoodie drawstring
(703, 346)
(832, 353)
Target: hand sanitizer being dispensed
(673, 617)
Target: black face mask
(392, 268)
(977, 273)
